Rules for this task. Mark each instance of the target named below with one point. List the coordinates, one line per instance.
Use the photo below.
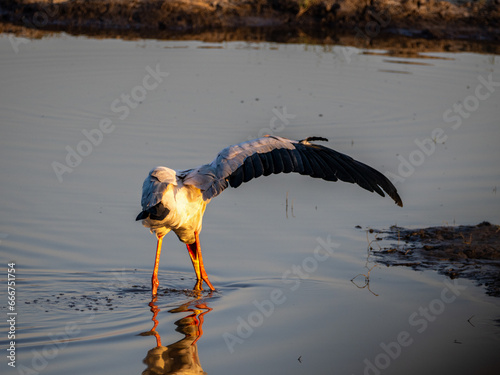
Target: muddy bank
(471, 252)
(362, 20)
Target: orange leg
(154, 278)
(155, 310)
(199, 332)
(194, 250)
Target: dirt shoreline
(466, 251)
(357, 22)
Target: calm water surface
(82, 123)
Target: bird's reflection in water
(180, 357)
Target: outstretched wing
(263, 156)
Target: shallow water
(83, 265)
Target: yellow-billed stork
(176, 199)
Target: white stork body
(176, 200)
(185, 205)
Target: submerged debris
(466, 251)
